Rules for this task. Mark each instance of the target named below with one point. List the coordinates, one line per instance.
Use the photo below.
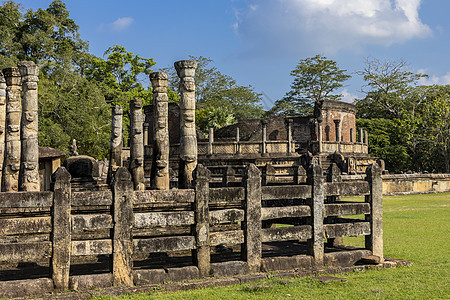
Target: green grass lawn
(416, 228)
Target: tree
(218, 95)
(388, 82)
(315, 80)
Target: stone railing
(78, 240)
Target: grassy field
(416, 228)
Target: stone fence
(59, 240)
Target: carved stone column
(290, 143)
(116, 142)
(161, 146)
(30, 149)
(2, 122)
(188, 137)
(12, 140)
(264, 137)
(137, 144)
(338, 133)
(320, 134)
(210, 140)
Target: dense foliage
(220, 101)
(315, 79)
(408, 124)
(78, 89)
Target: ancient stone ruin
(218, 219)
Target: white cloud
(328, 25)
(347, 96)
(434, 79)
(121, 24)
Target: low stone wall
(409, 184)
(404, 184)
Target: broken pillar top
(186, 68)
(12, 76)
(28, 68)
(117, 110)
(136, 103)
(159, 80)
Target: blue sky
(258, 42)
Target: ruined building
(328, 136)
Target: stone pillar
(316, 244)
(264, 137)
(188, 136)
(146, 126)
(238, 147)
(210, 141)
(116, 142)
(12, 139)
(290, 144)
(61, 233)
(366, 137)
(2, 122)
(252, 247)
(123, 224)
(320, 134)
(351, 135)
(338, 133)
(334, 175)
(160, 167)
(361, 135)
(202, 253)
(29, 127)
(136, 144)
(374, 241)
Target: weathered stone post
(202, 254)
(210, 141)
(366, 137)
(252, 247)
(188, 137)
(334, 175)
(238, 146)
(374, 241)
(264, 137)
(29, 180)
(2, 123)
(361, 135)
(61, 229)
(316, 244)
(12, 139)
(290, 144)
(123, 224)
(338, 133)
(320, 134)
(146, 127)
(160, 167)
(136, 144)
(116, 143)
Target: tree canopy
(220, 101)
(315, 79)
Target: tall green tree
(387, 85)
(315, 79)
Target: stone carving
(137, 144)
(188, 139)
(29, 126)
(12, 139)
(160, 166)
(116, 143)
(2, 122)
(73, 148)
